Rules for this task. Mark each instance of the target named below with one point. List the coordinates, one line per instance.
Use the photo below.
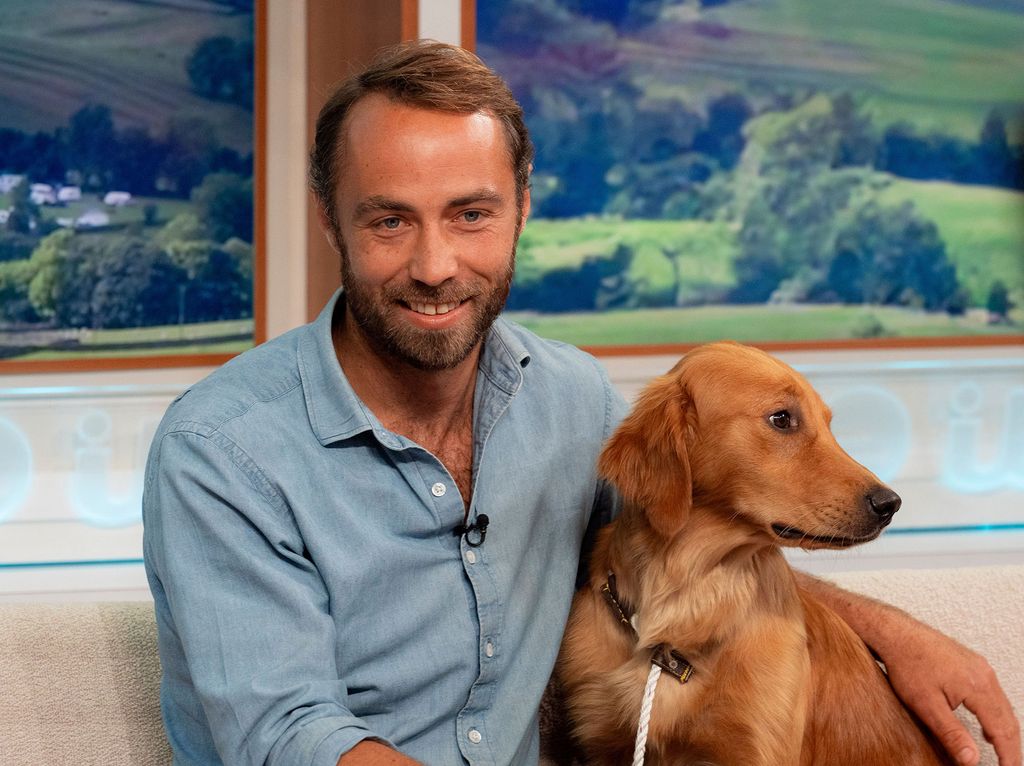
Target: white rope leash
(645, 715)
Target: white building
(69, 193)
(117, 198)
(92, 219)
(42, 194)
(8, 181)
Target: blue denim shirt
(309, 589)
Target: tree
(220, 68)
(220, 291)
(24, 214)
(858, 140)
(92, 145)
(723, 136)
(998, 303)
(136, 161)
(14, 281)
(995, 160)
(788, 230)
(48, 261)
(136, 285)
(15, 245)
(892, 255)
(223, 203)
(191, 147)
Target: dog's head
(732, 428)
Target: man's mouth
(433, 309)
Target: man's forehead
(387, 146)
(375, 111)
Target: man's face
(427, 223)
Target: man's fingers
(952, 734)
(998, 721)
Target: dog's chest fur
(737, 618)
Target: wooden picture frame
(161, 353)
(710, 38)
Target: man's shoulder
(555, 358)
(262, 374)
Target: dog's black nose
(884, 502)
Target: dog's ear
(647, 457)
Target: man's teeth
(430, 309)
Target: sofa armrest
(982, 607)
(80, 684)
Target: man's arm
(244, 619)
(371, 753)
(932, 673)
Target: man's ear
(526, 207)
(328, 228)
(647, 458)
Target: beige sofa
(79, 682)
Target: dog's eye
(782, 420)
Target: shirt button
(475, 737)
(438, 490)
(471, 557)
(489, 649)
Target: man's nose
(435, 260)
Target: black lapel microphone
(475, 533)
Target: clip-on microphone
(479, 527)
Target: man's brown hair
(424, 74)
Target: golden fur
(714, 478)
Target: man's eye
(471, 216)
(782, 420)
(391, 223)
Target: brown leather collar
(662, 655)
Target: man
(362, 537)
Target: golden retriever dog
(723, 460)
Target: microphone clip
(475, 533)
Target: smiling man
(362, 537)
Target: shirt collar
(336, 412)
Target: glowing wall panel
(71, 469)
(946, 431)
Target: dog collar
(662, 655)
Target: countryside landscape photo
(126, 178)
(768, 170)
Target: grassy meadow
(752, 324)
(938, 67)
(227, 337)
(59, 58)
(929, 63)
(983, 228)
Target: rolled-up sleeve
(246, 638)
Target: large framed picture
(130, 182)
(784, 172)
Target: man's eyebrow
(478, 196)
(379, 203)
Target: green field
(983, 228)
(705, 250)
(228, 337)
(55, 57)
(166, 209)
(752, 324)
(940, 65)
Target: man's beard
(391, 336)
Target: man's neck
(400, 394)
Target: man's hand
(963, 678)
(932, 674)
(370, 753)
